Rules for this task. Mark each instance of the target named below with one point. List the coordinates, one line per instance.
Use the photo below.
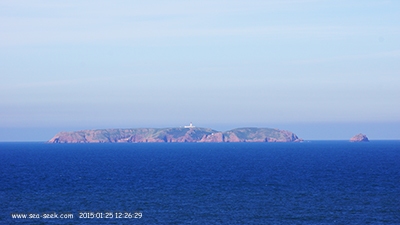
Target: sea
(313, 182)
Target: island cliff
(191, 134)
(359, 138)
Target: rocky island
(179, 134)
(359, 138)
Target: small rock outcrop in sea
(359, 138)
(179, 134)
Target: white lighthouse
(190, 125)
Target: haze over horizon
(321, 69)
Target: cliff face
(359, 138)
(259, 135)
(194, 134)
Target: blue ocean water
(318, 182)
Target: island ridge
(179, 134)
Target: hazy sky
(326, 69)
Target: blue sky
(323, 69)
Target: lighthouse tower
(190, 125)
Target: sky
(323, 69)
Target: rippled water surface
(320, 182)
